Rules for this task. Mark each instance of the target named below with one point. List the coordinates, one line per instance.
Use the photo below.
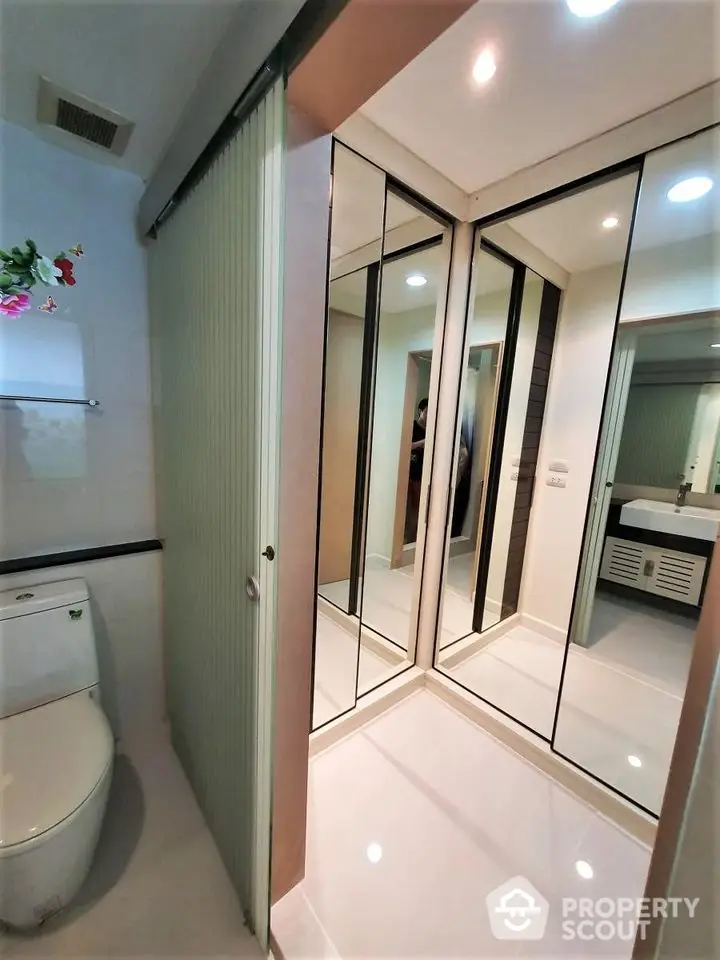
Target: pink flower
(13, 304)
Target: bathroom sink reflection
(699, 523)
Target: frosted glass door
(215, 292)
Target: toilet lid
(51, 760)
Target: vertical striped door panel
(215, 292)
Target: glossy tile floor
(388, 599)
(157, 887)
(336, 669)
(621, 698)
(415, 818)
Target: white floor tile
(415, 818)
(621, 696)
(339, 655)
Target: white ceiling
(358, 205)
(140, 59)
(570, 231)
(348, 293)
(687, 340)
(560, 80)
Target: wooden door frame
(409, 404)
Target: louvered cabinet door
(676, 575)
(624, 562)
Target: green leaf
(31, 245)
(4, 255)
(6, 281)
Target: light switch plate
(559, 466)
(553, 481)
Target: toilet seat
(51, 760)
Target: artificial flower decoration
(65, 267)
(21, 270)
(13, 304)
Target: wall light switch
(556, 481)
(559, 466)
(515, 475)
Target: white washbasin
(697, 522)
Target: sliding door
(215, 304)
(543, 305)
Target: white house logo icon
(517, 911)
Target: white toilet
(56, 749)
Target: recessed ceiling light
(416, 280)
(692, 188)
(484, 67)
(589, 8)
(609, 223)
(715, 346)
(584, 869)
(374, 853)
(634, 761)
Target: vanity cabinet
(657, 570)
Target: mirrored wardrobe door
(562, 274)
(409, 334)
(356, 238)
(650, 535)
(485, 337)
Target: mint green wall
(656, 434)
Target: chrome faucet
(683, 490)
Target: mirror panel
(561, 290)
(356, 236)
(413, 287)
(485, 340)
(655, 490)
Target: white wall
(72, 477)
(400, 334)
(680, 278)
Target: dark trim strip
(365, 412)
(416, 200)
(565, 190)
(498, 441)
(402, 190)
(67, 557)
(413, 248)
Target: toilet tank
(47, 644)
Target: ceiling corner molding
(517, 246)
(252, 36)
(679, 118)
(373, 143)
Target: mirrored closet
(389, 261)
(584, 499)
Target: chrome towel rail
(84, 403)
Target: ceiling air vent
(84, 124)
(82, 118)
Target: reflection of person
(462, 489)
(417, 456)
